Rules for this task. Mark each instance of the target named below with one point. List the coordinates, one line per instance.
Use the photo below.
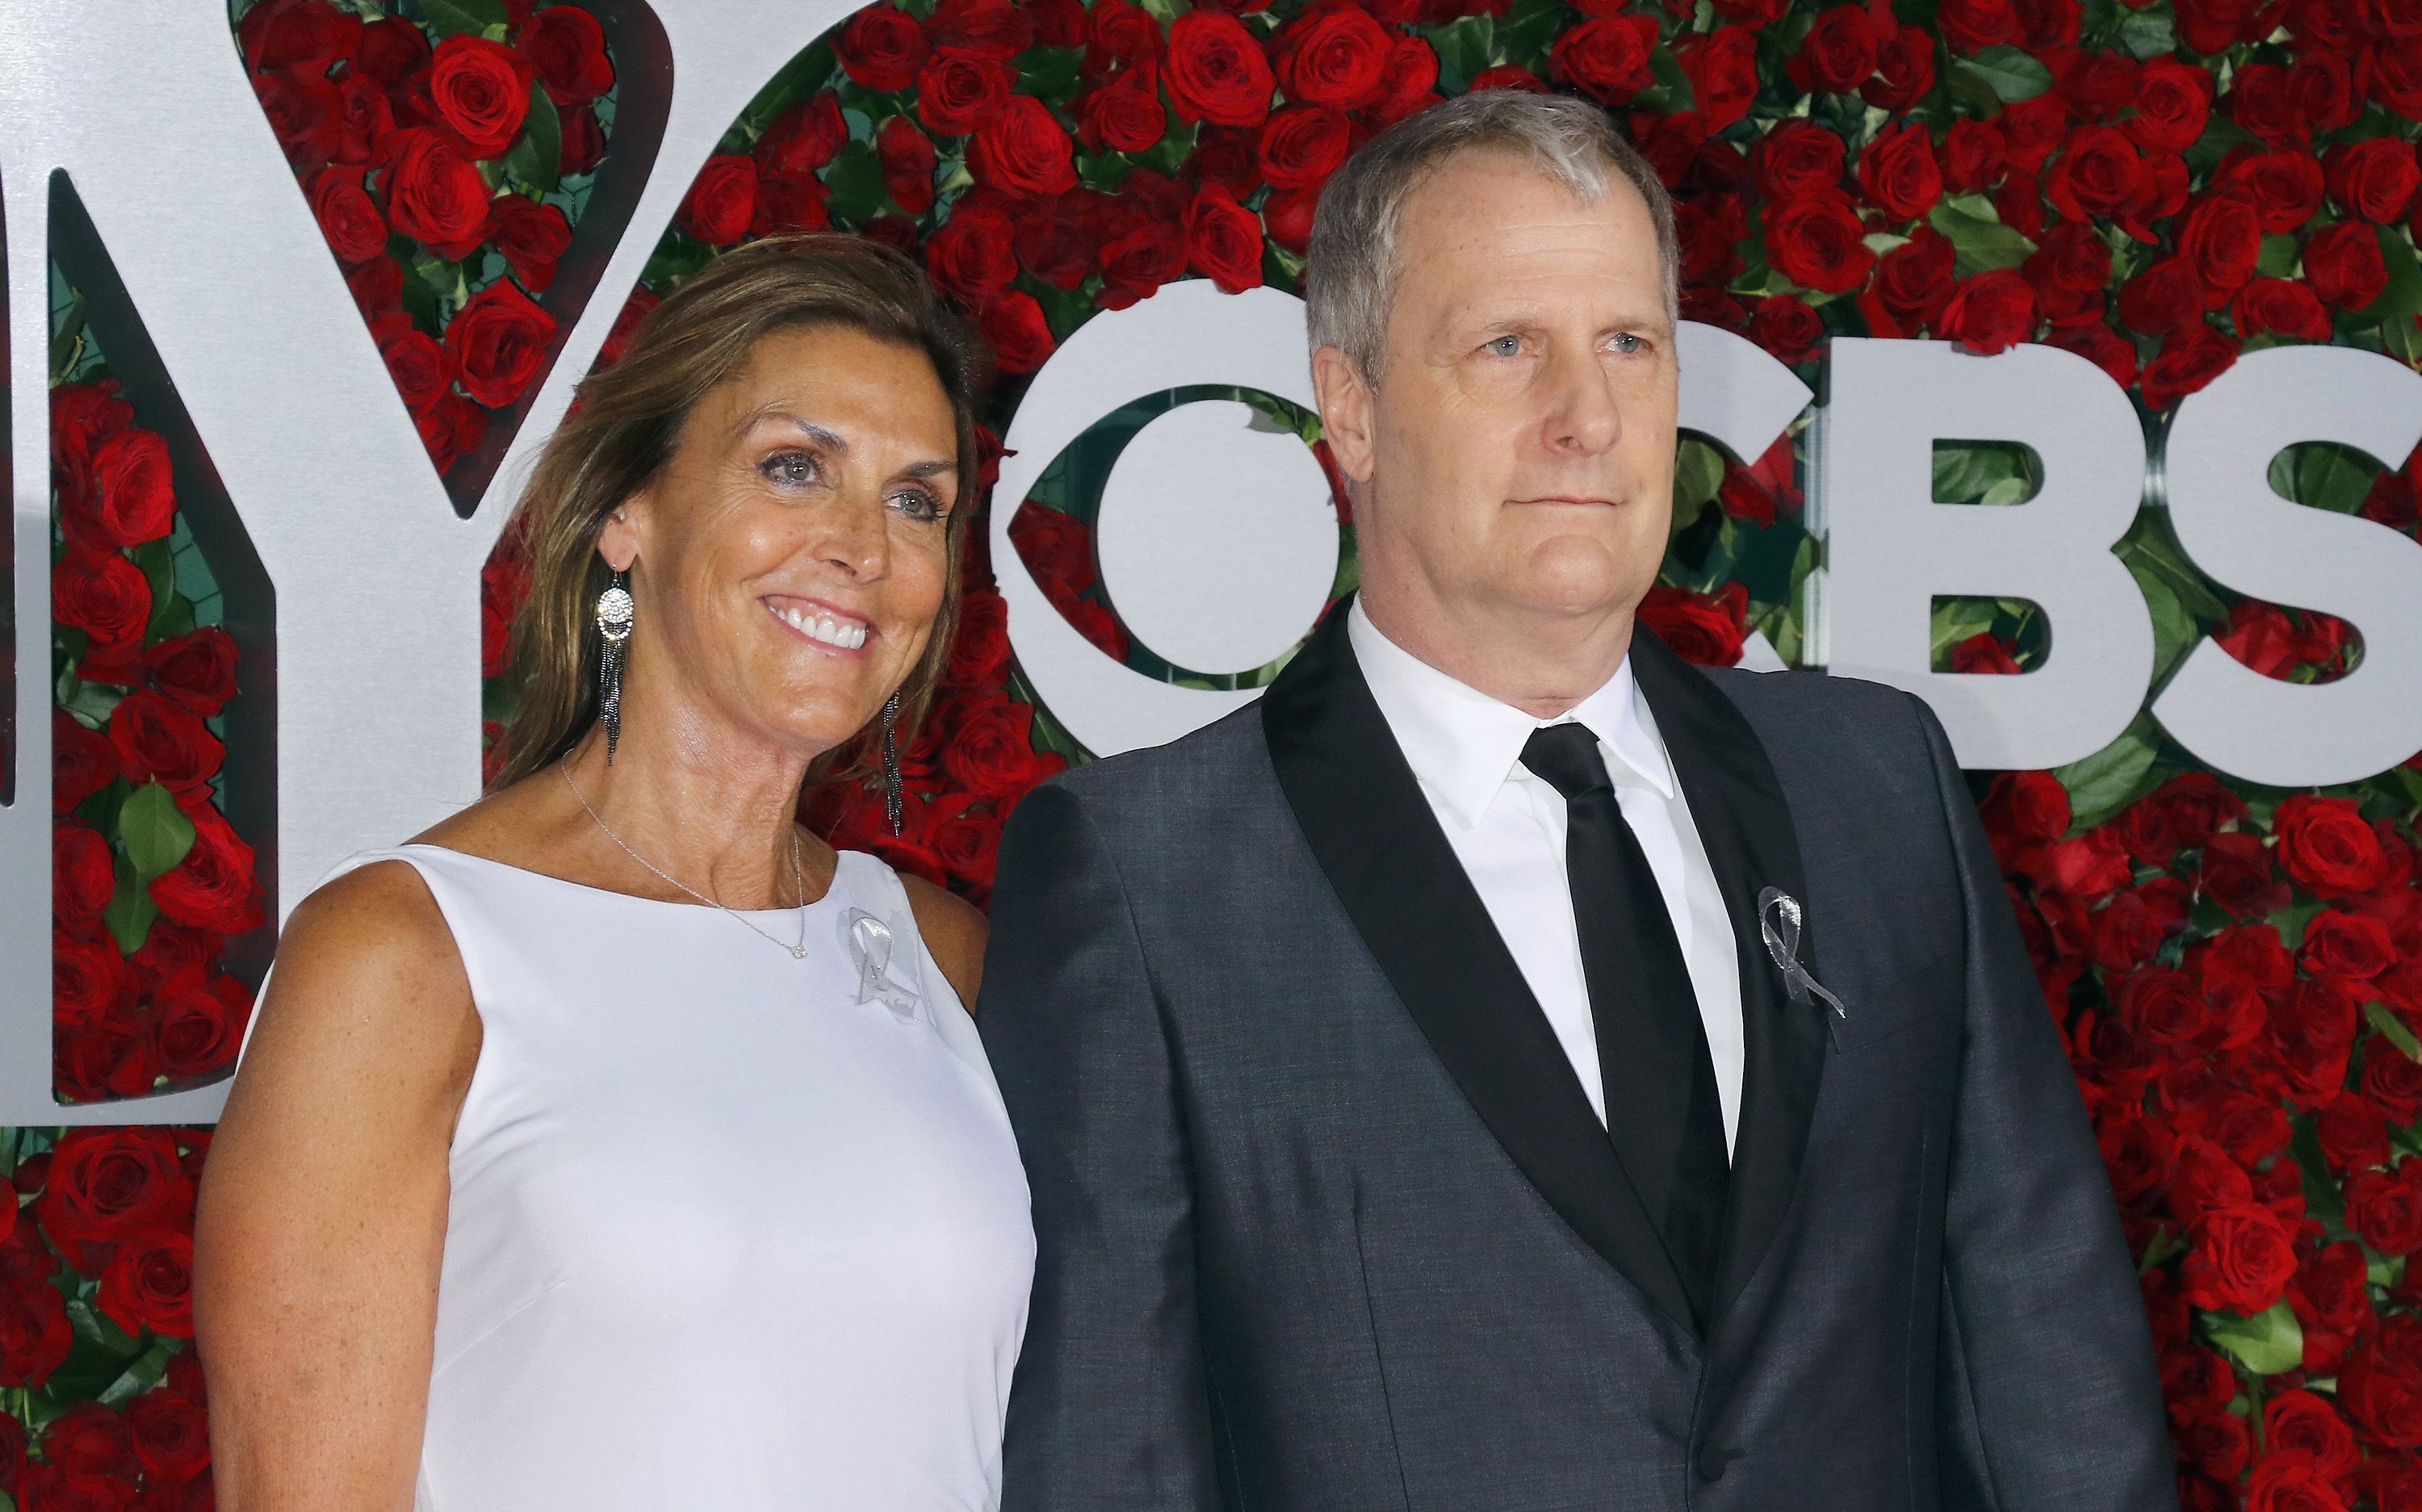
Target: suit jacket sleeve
(1109, 1408)
(2048, 1393)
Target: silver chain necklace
(798, 875)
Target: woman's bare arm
(322, 1216)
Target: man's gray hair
(1350, 273)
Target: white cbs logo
(1217, 538)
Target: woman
(617, 1144)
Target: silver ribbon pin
(869, 942)
(1784, 945)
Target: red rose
(1016, 330)
(991, 752)
(2325, 845)
(1972, 26)
(722, 200)
(306, 113)
(1303, 144)
(1702, 628)
(787, 203)
(907, 157)
(1606, 58)
(108, 599)
(2236, 874)
(481, 90)
(2222, 240)
(1024, 151)
(1786, 328)
(2385, 1207)
(1223, 240)
(980, 656)
(2281, 306)
(2291, 1480)
(106, 1183)
(1216, 71)
(1722, 67)
(566, 48)
(1058, 550)
(391, 51)
(2217, 1443)
(1837, 55)
(2373, 178)
(160, 741)
(584, 141)
(2299, 1422)
(420, 366)
(172, 1435)
(882, 48)
(2099, 173)
(90, 1439)
(959, 91)
(450, 429)
(1334, 53)
(2353, 947)
(498, 342)
(149, 1286)
(83, 876)
(1904, 71)
(1990, 313)
(2164, 1007)
(1973, 155)
(2026, 808)
(1898, 173)
(532, 238)
(1507, 76)
(2287, 187)
(1122, 34)
(2241, 1261)
(1122, 117)
(2181, 814)
(198, 1024)
(1407, 84)
(966, 840)
(1798, 157)
(214, 887)
(2188, 361)
(805, 137)
(348, 219)
(971, 256)
(366, 118)
(2393, 1084)
(297, 33)
(1058, 23)
(2173, 103)
(82, 416)
(433, 194)
(2381, 1387)
(1286, 216)
(82, 762)
(2312, 1035)
(89, 979)
(135, 488)
(2345, 265)
(1816, 241)
(34, 1335)
(377, 287)
(1135, 265)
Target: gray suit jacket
(1326, 1222)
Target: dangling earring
(891, 763)
(614, 626)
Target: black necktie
(1652, 1045)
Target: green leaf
(1698, 471)
(2324, 476)
(854, 177)
(154, 830)
(1979, 240)
(2376, 1012)
(2146, 34)
(1967, 474)
(2149, 545)
(2291, 921)
(449, 18)
(2267, 1344)
(2113, 777)
(130, 909)
(145, 1372)
(2174, 630)
(2279, 256)
(67, 343)
(1955, 620)
(537, 159)
(2008, 73)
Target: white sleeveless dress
(721, 1235)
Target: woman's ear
(618, 542)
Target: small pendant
(798, 953)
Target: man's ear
(1346, 411)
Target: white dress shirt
(1507, 828)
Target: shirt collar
(1464, 744)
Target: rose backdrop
(2237, 970)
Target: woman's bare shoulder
(954, 931)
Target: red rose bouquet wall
(2158, 186)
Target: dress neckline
(841, 861)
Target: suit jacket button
(1712, 1459)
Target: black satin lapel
(1374, 834)
(1738, 808)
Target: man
(1416, 1114)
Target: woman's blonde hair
(627, 421)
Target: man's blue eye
(1506, 346)
(1627, 343)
